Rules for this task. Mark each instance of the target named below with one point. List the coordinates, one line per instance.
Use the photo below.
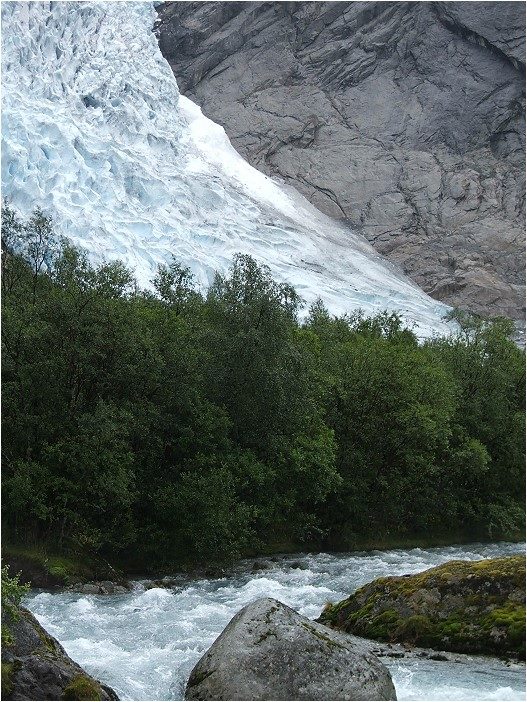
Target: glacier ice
(95, 132)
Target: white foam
(145, 645)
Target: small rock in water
(120, 589)
(260, 565)
(438, 657)
(104, 587)
(298, 565)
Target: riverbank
(47, 566)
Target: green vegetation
(12, 594)
(7, 678)
(43, 566)
(153, 429)
(472, 607)
(82, 688)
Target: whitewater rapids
(145, 643)
(95, 132)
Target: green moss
(67, 567)
(415, 629)
(452, 628)
(329, 641)
(7, 679)
(385, 624)
(7, 636)
(82, 688)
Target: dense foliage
(168, 426)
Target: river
(145, 643)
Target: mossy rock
(7, 679)
(82, 688)
(471, 607)
(43, 566)
(36, 667)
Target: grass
(45, 561)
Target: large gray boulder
(36, 667)
(404, 119)
(270, 652)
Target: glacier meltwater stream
(145, 643)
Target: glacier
(96, 133)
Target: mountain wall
(405, 120)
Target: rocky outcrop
(406, 120)
(468, 607)
(36, 667)
(269, 652)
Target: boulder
(36, 667)
(462, 606)
(270, 652)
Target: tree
(175, 285)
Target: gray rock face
(404, 119)
(269, 652)
(36, 667)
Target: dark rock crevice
(451, 15)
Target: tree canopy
(170, 426)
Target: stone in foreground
(36, 667)
(269, 652)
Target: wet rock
(120, 590)
(298, 565)
(36, 667)
(104, 587)
(438, 657)
(269, 652)
(405, 120)
(260, 565)
(214, 572)
(90, 589)
(459, 606)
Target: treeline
(166, 426)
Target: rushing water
(145, 643)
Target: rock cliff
(406, 120)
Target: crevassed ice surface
(96, 133)
(145, 643)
